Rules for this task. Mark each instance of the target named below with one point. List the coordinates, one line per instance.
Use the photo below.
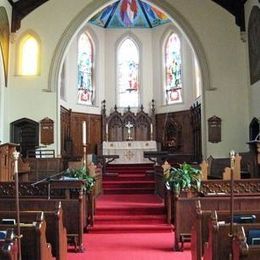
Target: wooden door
(26, 133)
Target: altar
(129, 151)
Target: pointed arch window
(29, 50)
(86, 90)
(173, 71)
(128, 85)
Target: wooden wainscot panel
(214, 129)
(47, 128)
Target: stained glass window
(86, 91)
(173, 73)
(128, 74)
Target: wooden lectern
(7, 164)
(6, 161)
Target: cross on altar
(129, 126)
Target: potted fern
(185, 178)
(81, 174)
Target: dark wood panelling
(66, 143)
(196, 131)
(71, 129)
(178, 126)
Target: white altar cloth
(129, 151)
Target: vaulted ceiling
(21, 8)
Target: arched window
(86, 90)
(29, 51)
(172, 70)
(128, 86)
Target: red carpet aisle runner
(130, 222)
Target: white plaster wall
(226, 58)
(3, 89)
(254, 90)
(214, 27)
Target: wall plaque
(47, 131)
(214, 129)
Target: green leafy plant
(81, 174)
(183, 178)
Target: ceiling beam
(236, 8)
(21, 9)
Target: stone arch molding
(93, 7)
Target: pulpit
(129, 152)
(6, 161)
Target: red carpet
(129, 223)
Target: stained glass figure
(85, 70)
(128, 74)
(129, 14)
(173, 73)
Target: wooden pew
(71, 207)
(199, 233)
(219, 245)
(8, 246)
(217, 166)
(56, 189)
(56, 234)
(33, 242)
(241, 250)
(185, 210)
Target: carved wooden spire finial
(153, 106)
(103, 105)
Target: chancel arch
(92, 8)
(107, 67)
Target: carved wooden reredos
(141, 125)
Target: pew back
(185, 210)
(241, 250)
(8, 246)
(219, 245)
(33, 242)
(73, 225)
(200, 227)
(56, 234)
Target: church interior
(129, 129)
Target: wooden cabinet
(6, 161)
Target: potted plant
(184, 178)
(81, 174)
